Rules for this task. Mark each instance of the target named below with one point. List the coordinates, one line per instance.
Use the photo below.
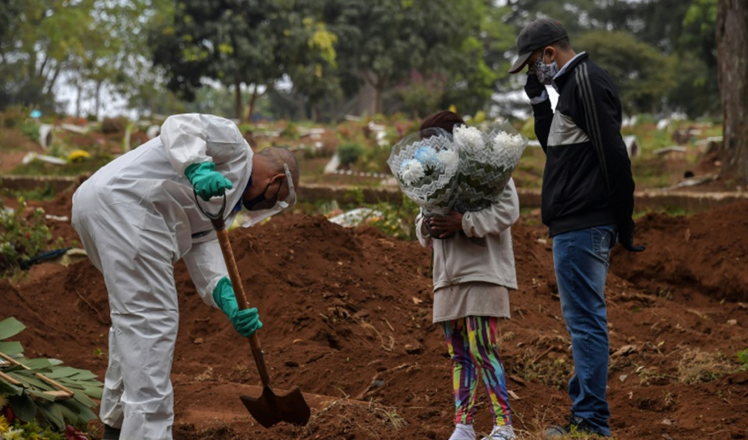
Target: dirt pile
(347, 314)
(706, 253)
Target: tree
(380, 42)
(237, 42)
(9, 13)
(499, 41)
(577, 16)
(310, 62)
(640, 71)
(480, 61)
(93, 59)
(37, 47)
(681, 29)
(732, 41)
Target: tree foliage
(321, 59)
(640, 71)
(242, 43)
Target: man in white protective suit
(136, 217)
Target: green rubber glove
(246, 321)
(207, 182)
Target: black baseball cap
(535, 35)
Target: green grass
(39, 168)
(649, 137)
(529, 172)
(650, 170)
(39, 193)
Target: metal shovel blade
(270, 409)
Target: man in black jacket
(587, 201)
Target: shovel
(270, 408)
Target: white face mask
(545, 72)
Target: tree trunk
(79, 98)
(379, 101)
(381, 85)
(98, 98)
(369, 94)
(51, 83)
(732, 41)
(252, 102)
(238, 99)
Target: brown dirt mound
(347, 314)
(705, 253)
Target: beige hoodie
(482, 251)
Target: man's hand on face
(444, 227)
(533, 87)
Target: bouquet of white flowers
(425, 165)
(487, 159)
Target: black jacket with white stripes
(587, 180)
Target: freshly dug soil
(706, 253)
(347, 313)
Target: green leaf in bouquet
(60, 372)
(82, 410)
(10, 327)
(94, 390)
(52, 413)
(68, 413)
(36, 364)
(83, 375)
(31, 399)
(13, 368)
(8, 389)
(83, 399)
(29, 380)
(41, 395)
(23, 407)
(11, 348)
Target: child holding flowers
(473, 268)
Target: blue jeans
(581, 262)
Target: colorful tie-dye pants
(474, 350)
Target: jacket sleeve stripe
(590, 112)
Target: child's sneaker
(501, 433)
(463, 432)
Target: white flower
(507, 142)
(411, 171)
(468, 138)
(13, 434)
(447, 158)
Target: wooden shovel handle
(241, 298)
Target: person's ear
(549, 53)
(280, 177)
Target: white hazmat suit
(136, 217)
